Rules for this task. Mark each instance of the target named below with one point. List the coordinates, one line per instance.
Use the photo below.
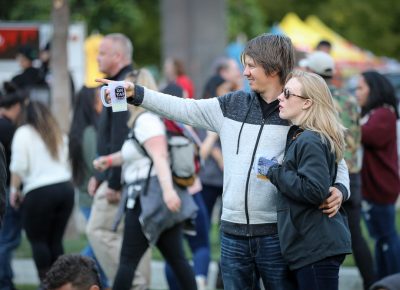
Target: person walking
(380, 169)
(147, 145)
(247, 123)
(39, 161)
(197, 234)
(115, 61)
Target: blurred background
(364, 35)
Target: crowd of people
(296, 161)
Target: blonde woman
(313, 244)
(39, 161)
(149, 131)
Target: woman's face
(362, 92)
(291, 103)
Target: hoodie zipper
(250, 169)
(246, 208)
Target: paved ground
(25, 273)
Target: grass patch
(75, 245)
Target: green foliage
(22, 10)
(245, 16)
(370, 24)
(139, 20)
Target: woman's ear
(307, 104)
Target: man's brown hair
(274, 52)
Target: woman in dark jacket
(313, 244)
(380, 169)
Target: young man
(248, 124)
(73, 272)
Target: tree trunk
(60, 84)
(200, 40)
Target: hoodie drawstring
(241, 127)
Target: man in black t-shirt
(30, 75)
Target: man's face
(23, 61)
(255, 74)
(106, 57)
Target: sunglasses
(287, 94)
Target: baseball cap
(27, 52)
(320, 63)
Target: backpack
(183, 149)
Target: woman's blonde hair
(322, 116)
(142, 77)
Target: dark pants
(322, 275)
(210, 194)
(45, 214)
(10, 238)
(199, 245)
(361, 252)
(135, 244)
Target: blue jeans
(199, 245)
(321, 275)
(88, 251)
(10, 238)
(380, 220)
(241, 257)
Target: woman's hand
(16, 198)
(129, 88)
(93, 185)
(172, 200)
(102, 163)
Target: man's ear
(274, 74)
(94, 287)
